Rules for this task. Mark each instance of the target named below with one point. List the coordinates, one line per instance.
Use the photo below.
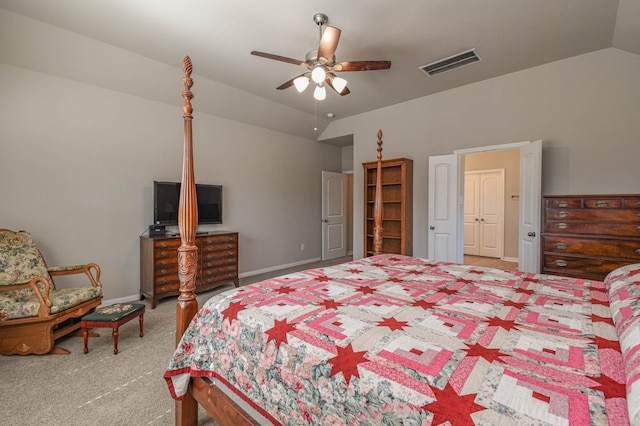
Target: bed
(391, 339)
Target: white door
(484, 213)
(471, 211)
(530, 196)
(333, 216)
(443, 209)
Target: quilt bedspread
(392, 340)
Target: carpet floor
(100, 388)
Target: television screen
(166, 197)
(209, 203)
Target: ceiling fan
(321, 63)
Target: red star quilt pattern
(393, 339)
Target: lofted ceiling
(508, 35)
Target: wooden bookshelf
(397, 206)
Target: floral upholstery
(624, 295)
(14, 304)
(21, 262)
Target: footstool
(111, 317)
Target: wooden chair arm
(43, 297)
(91, 270)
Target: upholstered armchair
(33, 312)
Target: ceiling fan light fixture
(339, 83)
(301, 83)
(318, 74)
(320, 93)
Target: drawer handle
(561, 246)
(637, 251)
(164, 262)
(164, 280)
(563, 204)
(163, 245)
(563, 214)
(561, 263)
(163, 253)
(563, 225)
(163, 289)
(602, 204)
(163, 271)
(638, 228)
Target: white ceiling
(509, 35)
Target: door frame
(528, 224)
(333, 219)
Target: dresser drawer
(217, 247)
(166, 280)
(606, 248)
(162, 288)
(619, 216)
(173, 243)
(218, 239)
(593, 228)
(563, 203)
(170, 269)
(579, 266)
(166, 253)
(632, 203)
(602, 203)
(211, 261)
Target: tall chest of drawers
(217, 264)
(588, 236)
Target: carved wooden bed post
(187, 409)
(378, 233)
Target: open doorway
(491, 208)
(445, 193)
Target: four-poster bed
(401, 340)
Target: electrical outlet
(302, 247)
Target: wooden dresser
(217, 264)
(397, 205)
(588, 236)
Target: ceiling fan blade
(362, 65)
(328, 44)
(280, 58)
(345, 91)
(291, 82)
(286, 84)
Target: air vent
(452, 62)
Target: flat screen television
(166, 197)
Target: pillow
(623, 286)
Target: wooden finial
(188, 82)
(186, 66)
(379, 144)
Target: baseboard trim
(278, 267)
(125, 299)
(136, 297)
(510, 259)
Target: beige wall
(585, 110)
(509, 160)
(78, 162)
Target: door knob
(432, 227)
(531, 234)
(482, 220)
(325, 220)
